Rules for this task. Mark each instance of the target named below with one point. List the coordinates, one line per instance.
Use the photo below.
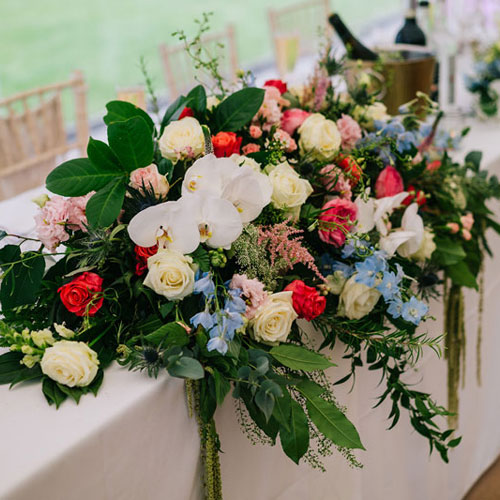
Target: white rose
(42, 338)
(427, 247)
(70, 363)
(336, 282)
(273, 320)
(357, 299)
(289, 189)
(242, 160)
(170, 274)
(182, 139)
(375, 112)
(319, 137)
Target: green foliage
(120, 111)
(105, 205)
(237, 110)
(184, 367)
(294, 437)
(299, 358)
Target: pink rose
(253, 290)
(389, 183)
(51, 222)
(333, 179)
(350, 131)
(453, 227)
(150, 178)
(255, 132)
(76, 211)
(337, 219)
(292, 119)
(467, 221)
(288, 143)
(466, 235)
(250, 148)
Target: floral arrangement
(485, 78)
(204, 244)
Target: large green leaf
(120, 111)
(461, 275)
(22, 283)
(238, 109)
(331, 422)
(299, 358)
(448, 251)
(473, 159)
(52, 393)
(168, 335)
(104, 207)
(173, 111)
(295, 438)
(197, 99)
(80, 176)
(222, 386)
(132, 142)
(101, 156)
(10, 366)
(186, 368)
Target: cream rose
(289, 189)
(357, 299)
(273, 320)
(375, 112)
(319, 137)
(170, 274)
(182, 139)
(427, 247)
(70, 363)
(242, 160)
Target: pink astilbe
(285, 242)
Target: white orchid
(166, 224)
(375, 213)
(248, 190)
(406, 239)
(217, 220)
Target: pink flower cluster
(287, 142)
(337, 220)
(149, 177)
(467, 222)
(350, 131)
(283, 241)
(57, 216)
(332, 177)
(253, 290)
(270, 111)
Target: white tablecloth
(135, 439)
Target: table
(135, 439)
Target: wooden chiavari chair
(33, 134)
(181, 76)
(295, 31)
(134, 95)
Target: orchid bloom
(407, 239)
(374, 213)
(217, 220)
(247, 190)
(167, 225)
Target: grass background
(43, 41)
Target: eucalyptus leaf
(171, 334)
(265, 403)
(186, 367)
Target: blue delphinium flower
(389, 286)
(405, 141)
(425, 130)
(217, 344)
(395, 307)
(355, 246)
(204, 318)
(346, 270)
(204, 284)
(413, 310)
(234, 303)
(368, 269)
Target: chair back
(180, 73)
(135, 95)
(295, 31)
(33, 133)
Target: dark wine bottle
(411, 33)
(355, 49)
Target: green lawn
(42, 41)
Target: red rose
(389, 183)
(279, 84)
(414, 195)
(351, 168)
(186, 112)
(226, 144)
(433, 166)
(142, 255)
(83, 295)
(307, 301)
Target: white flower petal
(394, 240)
(412, 222)
(365, 220)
